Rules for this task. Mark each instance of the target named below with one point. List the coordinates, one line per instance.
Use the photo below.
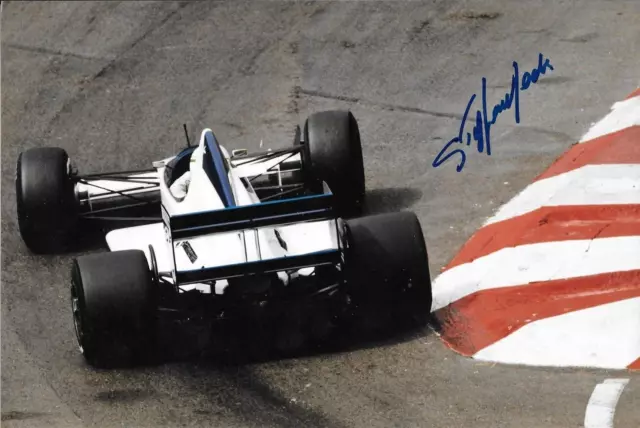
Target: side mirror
(238, 153)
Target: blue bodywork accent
(280, 201)
(213, 165)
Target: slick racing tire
(113, 303)
(387, 263)
(333, 153)
(45, 196)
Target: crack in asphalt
(151, 29)
(386, 106)
(103, 70)
(596, 236)
(58, 52)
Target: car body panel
(223, 248)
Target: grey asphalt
(112, 83)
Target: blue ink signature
(482, 129)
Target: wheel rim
(77, 316)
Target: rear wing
(252, 217)
(270, 213)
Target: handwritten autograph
(482, 129)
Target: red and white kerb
(553, 278)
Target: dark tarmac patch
(418, 29)
(468, 15)
(294, 95)
(123, 395)
(554, 80)
(581, 38)
(13, 415)
(546, 80)
(347, 44)
(239, 129)
(474, 16)
(539, 31)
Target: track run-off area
(553, 278)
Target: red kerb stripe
(634, 94)
(622, 147)
(547, 224)
(481, 319)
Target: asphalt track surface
(113, 82)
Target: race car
(223, 234)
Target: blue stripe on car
(215, 169)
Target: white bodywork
(226, 248)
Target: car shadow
(391, 199)
(248, 342)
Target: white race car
(235, 233)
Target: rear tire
(113, 302)
(387, 264)
(45, 197)
(333, 153)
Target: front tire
(387, 264)
(113, 302)
(45, 197)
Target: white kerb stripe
(521, 265)
(602, 404)
(623, 115)
(605, 336)
(588, 185)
